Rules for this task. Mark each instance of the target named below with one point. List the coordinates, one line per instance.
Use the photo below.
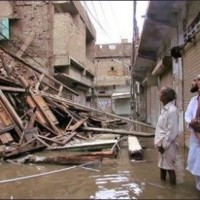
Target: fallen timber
(61, 160)
(67, 159)
(121, 132)
(134, 148)
(36, 69)
(44, 94)
(87, 145)
(42, 120)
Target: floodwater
(117, 178)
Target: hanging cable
(87, 9)
(115, 19)
(95, 11)
(102, 10)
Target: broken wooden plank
(60, 90)
(77, 125)
(73, 128)
(121, 132)
(29, 132)
(134, 148)
(6, 129)
(11, 110)
(37, 70)
(50, 140)
(44, 108)
(32, 104)
(87, 145)
(61, 160)
(6, 138)
(39, 81)
(40, 140)
(12, 89)
(69, 137)
(5, 66)
(46, 127)
(107, 153)
(32, 119)
(22, 150)
(81, 137)
(92, 109)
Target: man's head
(198, 83)
(167, 94)
(194, 87)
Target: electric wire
(115, 19)
(102, 10)
(87, 9)
(95, 11)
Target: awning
(121, 95)
(162, 65)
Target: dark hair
(170, 93)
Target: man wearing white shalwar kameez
(166, 133)
(193, 161)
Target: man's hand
(161, 149)
(195, 124)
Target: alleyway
(114, 179)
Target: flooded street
(114, 179)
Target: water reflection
(116, 186)
(114, 179)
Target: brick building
(55, 36)
(168, 54)
(112, 84)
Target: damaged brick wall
(32, 17)
(69, 36)
(111, 63)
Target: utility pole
(134, 42)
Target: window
(112, 68)
(112, 46)
(102, 92)
(4, 29)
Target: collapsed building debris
(37, 112)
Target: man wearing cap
(192, 115)
(166, 135)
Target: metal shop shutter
(191, 68)
(148, 104)
(154, 105)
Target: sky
(113, 20)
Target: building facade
(168, 55)
(112, 72)
(55, 36)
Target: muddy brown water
(117, 178)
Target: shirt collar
(166, 107)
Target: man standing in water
(192, 115)
(166, 134)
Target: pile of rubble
(36, 112)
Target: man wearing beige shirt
(166, 134)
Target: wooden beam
(134, 148)
(11, 110)
(37, 70)
(92, 109)
(120, 132)
(12, 89)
